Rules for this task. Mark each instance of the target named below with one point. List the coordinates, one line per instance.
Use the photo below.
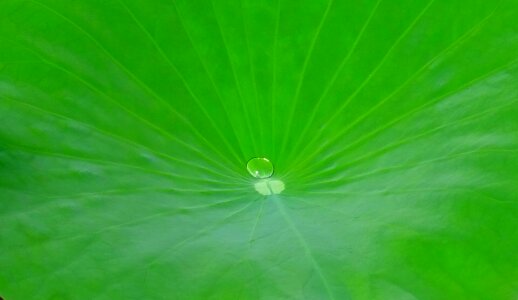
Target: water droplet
(260, 167)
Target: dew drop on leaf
(260, 167)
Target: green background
(125, 128)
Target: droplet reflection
(269, 187)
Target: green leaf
(126, 128)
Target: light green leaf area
(126, 127)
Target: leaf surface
(126, 128)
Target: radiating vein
(163, 213)
(305, 246)
(132, 75)
(148, 123)
(102, 162)
(404, 141)
(123, 140)
(376, 69)
(234, 74)
(463, 38)
(274, 79)
(293, 103)
(413, 165)
(470, 33)
(196, 235)
(126, 192)
(256, 222)
(426, 104)
(184, 81)
(254, 80)
(332, 82)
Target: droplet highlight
(260, 167)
